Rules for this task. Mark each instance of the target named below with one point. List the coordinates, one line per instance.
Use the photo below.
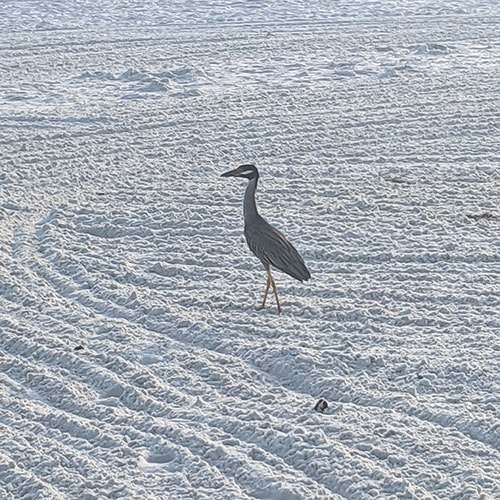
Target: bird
(268, 244)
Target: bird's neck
(249, 205)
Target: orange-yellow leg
(275, 294)
(270, 281)
(268, 284)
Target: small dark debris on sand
(321, 405)
(484, 215)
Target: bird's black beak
(231, 173)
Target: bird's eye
(246, 172)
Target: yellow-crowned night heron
(266, 242)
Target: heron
(268, 244)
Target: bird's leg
(268, 284)
(275, 290)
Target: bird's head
(247, 171)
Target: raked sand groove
(134, 363)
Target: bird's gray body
(267, 243)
